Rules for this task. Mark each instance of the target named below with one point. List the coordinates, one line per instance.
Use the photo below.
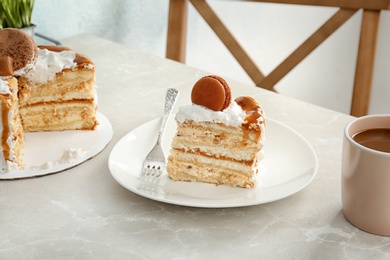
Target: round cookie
(212, 92)
(19, 46)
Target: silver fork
(154, 163)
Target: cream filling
(233, 115)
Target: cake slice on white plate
(218, 140)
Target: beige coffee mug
(365, 178)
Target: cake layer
(59, 116)
(185, 166)
(219, 140)
(70, 84)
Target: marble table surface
(83, 213)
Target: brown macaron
(212, 92)
(19, 46)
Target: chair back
(177, 32)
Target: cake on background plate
(48, 88)
(218, 140)
(58, 92)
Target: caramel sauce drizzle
(254, 112)
(81, 60)
(4, 120)
(6, 68)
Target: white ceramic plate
(51, 152)
(290, 164)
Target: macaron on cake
(218, 140)
(212, 92)
(18, 47)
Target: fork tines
(152, 170)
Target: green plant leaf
(16, 13)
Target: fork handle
(170, 100)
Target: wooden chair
(177, 30)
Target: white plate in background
(51, 152)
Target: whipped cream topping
(24, 70)
(49, 63)
(4, 88)
(233, 115)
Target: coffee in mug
(376, 139)
(365, 174)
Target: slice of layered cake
(58, 93)
(48, 88)
(218, 140)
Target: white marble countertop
(84, 213)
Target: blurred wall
(268, 32)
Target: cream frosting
(233, 115)
(24, 70)
(49, 63)
(4, 88)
